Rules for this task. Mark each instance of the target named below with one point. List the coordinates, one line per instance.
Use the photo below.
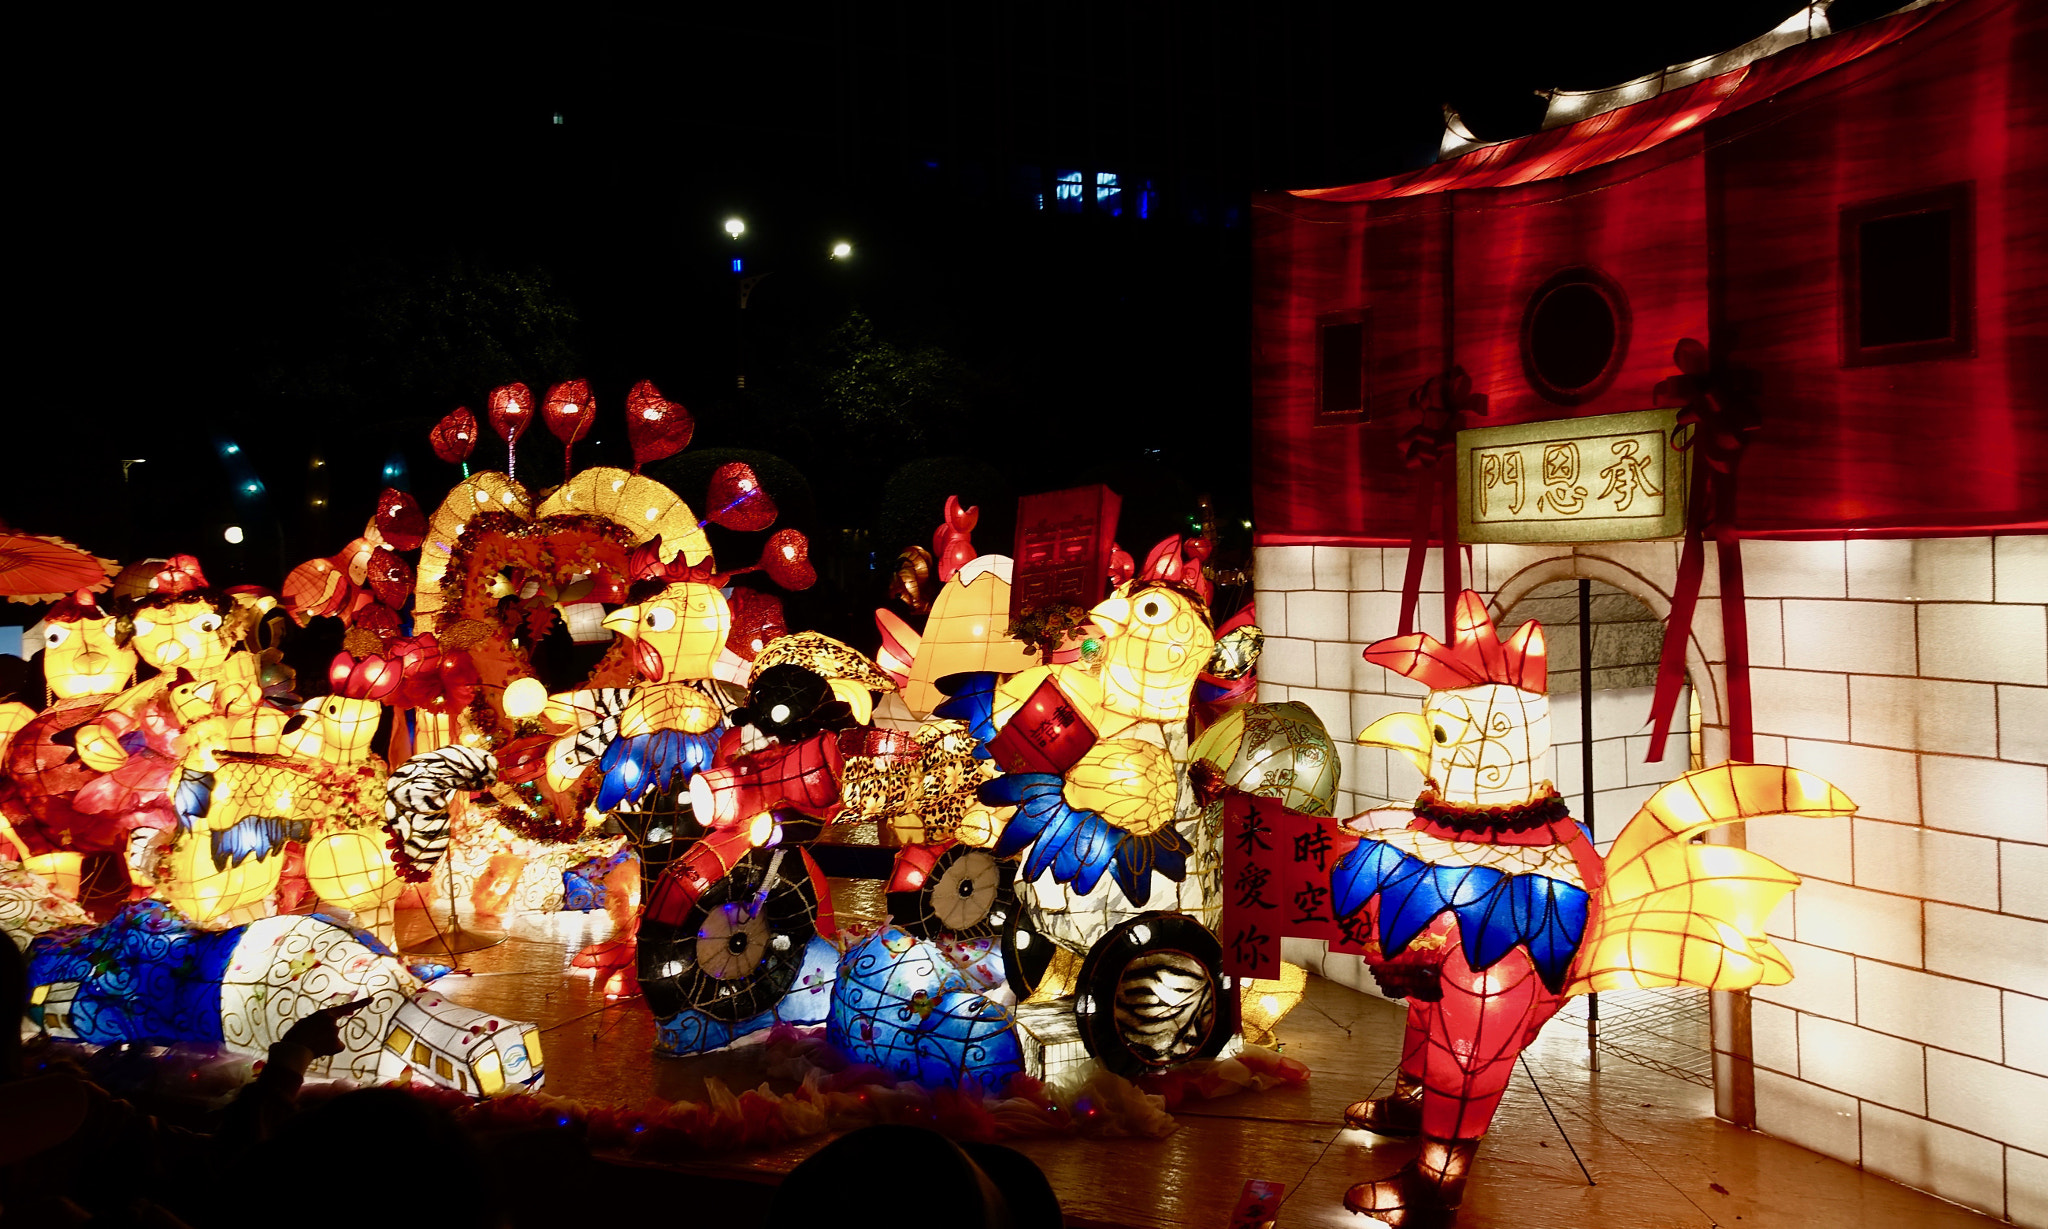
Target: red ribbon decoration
(1440, 402)
(1714, 424)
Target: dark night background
(312, 233)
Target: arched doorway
(1665, 1030)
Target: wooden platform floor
(1660, 1158)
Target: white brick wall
(1938, 1030)
(1914, 675)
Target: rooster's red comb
(1474, 657)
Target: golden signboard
(1606, 479)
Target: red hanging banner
(1276, 883)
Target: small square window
(1070, 191)
(1343, 352)
(1109, 196)
(1907, 285)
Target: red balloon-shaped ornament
(454, 437)
(569, 410)
(737, 500)
(511, 413)
(400, 521)
(655, 426)
(787, 560)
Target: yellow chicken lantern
(320, 786)
(968, 629)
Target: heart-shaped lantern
(454, 437)
(655, 426)
(737, 500)
(400, 520)
(390, 577)
(569, 411)
(787, 559)
(511, 414)
(757, 619)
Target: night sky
(313, 234)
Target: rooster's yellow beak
(1407, 733)
(625, 620)
(1112, 615)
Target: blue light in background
(738, 265)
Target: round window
(1574, 335)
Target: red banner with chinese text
(1276, 883)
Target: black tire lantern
(1153, 996)
(968, 894)
(739, 949)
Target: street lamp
(841, 250)
(735, 227)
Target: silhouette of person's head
(354, 1143)
(888, 1168)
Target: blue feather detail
(1496, 911)
(1078, 846)
(632, 765)
(257, 835)
(973, 700)
(193, 798)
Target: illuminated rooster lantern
(1094, 754)
(968, 630)
(675, 634)
(1491, 906)
(319, 786)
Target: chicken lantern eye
(660, 619)
(207, 622)
(1154, 610)
(1441, 736)
(56, 636)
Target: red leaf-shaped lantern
(655, 426)
(787, 560)
(454, 437)
(316, 587)
(511, 413)
(389, 577)
(569, 411)
(400, 520)
(737, 500)
(757, 620)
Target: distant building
(1855, 227)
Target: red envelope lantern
(569, 411)
(511, 412)
(1047, 735)
(737, 500)
(655, 426)
(454, 437)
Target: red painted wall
(1727, 232)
